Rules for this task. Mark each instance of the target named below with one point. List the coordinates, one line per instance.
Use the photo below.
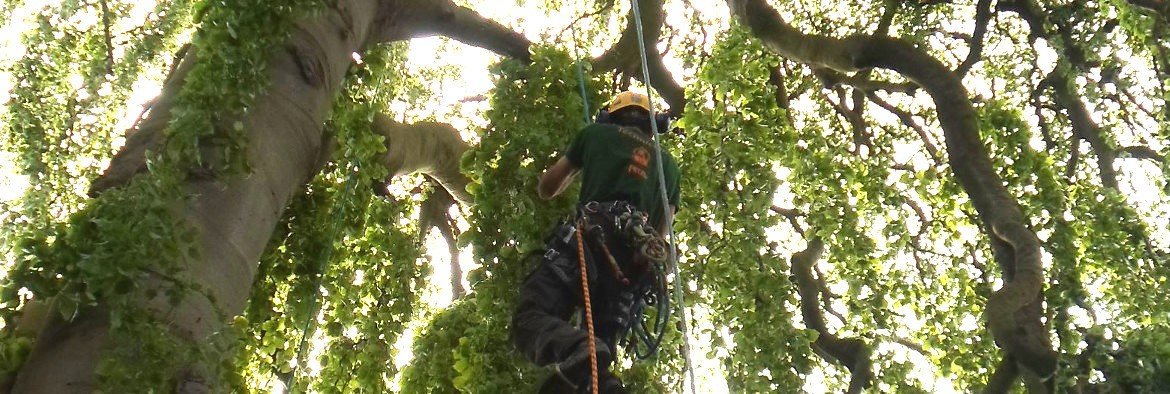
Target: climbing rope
(588, 303)
(310, 321)
(672, 258)
(580, 75)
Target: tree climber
(619, 200)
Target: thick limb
(1012, 322)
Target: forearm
(546, 189)
(556, 179)
(565, 184)
(664, 224)
(549, 188)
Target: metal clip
(568, 231)
(551, 254)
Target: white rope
(673, 257)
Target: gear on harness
(631, 228)
(646, 336)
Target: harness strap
(598, 235)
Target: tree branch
(108, 37)
(831, 78)
(853, 115)
(1084, 127)
(911, 345)
(605, 6)
(1004, 377)
(792, 215)
(1015, 246)
(1160, 7)
(1062, 82)
(1028, 12)
(445, 18)
(852, 353)
(982, 18)
(434, 213)
(1142, 152)
(624, 57)
(1074, 158)
(776, 79)
(626, 48)
(908, 120)
(883, 27)
(431, 148)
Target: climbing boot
(574, 371)
(607, 383)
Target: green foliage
(1136, 363)
(127, 245)
(61, 120)
(233, 44)
(6, 10)
(63, 111)
(906, 259)
(343, 271)
(535, 110)
(728, 188)
(1093, 237)
(533, 116)
(434, 369)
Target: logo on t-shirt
(639, 161)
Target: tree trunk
(233, 217)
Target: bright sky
(472, 79)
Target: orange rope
(588, 304)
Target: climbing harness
(647, 252)
(603, 228)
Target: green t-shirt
(618, 164)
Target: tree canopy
(892, 196)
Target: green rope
(580, 76)
(584, 96)
(673, 257)
(311, 320)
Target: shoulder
(669, 161)
(591, 133)
(668, 158)
(597, 128)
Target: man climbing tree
(612, 239)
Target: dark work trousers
(552, 293)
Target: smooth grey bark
(431, 148)
(233, 217)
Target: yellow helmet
(628, 98)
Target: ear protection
(661, 118)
